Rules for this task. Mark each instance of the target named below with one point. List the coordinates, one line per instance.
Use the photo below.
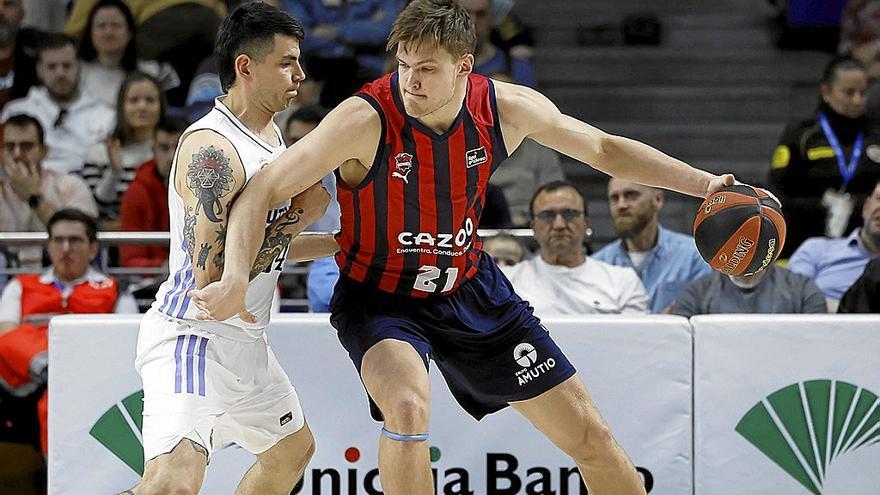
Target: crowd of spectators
(94, 102)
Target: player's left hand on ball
(718, 182)
(220, 301)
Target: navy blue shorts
(484, 338)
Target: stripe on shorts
(203, 345)
(190, 350)
(178, 374)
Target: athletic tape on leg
(421, 437)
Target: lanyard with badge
(840, 203)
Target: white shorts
(210, 389)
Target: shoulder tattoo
(210, 178)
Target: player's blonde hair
(441, 23)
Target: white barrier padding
(787, 404)
(638, 370)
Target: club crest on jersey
(475, 157)
(403, 163)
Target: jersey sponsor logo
(403, 164)
(437, 243)
(476, 157)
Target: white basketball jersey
(172, 299)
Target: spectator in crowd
(860, 38)
(772, 290)
(505, 249)
(145, 203)
(490, 59)
(864, 295)
(666, 261)
(29, 193)
(345, 45)
(111, 165)
(835, 264)
(530, 164)
(508, 33)
(18, 51)
(825, 164)
(72, 120)
(562, 279)
(28, 302)
(180, 32)
(323, 272)
(108, 51)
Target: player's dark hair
(442, 23)
(250, 30)
(555, 186)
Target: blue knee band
(421, 437)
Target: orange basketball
(739, 230)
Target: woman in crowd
(108, 51)
(824, 165)
(111, 166)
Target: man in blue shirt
(835, 264)
(666, 261)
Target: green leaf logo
(119, 430)
(804, 426)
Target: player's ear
(466, 65)
(243, 66)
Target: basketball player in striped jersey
(417, 148)
(209, 384)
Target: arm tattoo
(219, 258)
(210, 178)
(189, 230)
(203, 255)
(275, 240)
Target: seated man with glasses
(31, 194)
(28, 302)
(562, 279)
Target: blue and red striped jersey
(410, 227)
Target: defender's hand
(220, 301)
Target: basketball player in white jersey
(210, 384)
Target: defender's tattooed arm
(208, 176)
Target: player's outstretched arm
(208, 177)
(526, 113)
(350, 132)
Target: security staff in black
(828, 162)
